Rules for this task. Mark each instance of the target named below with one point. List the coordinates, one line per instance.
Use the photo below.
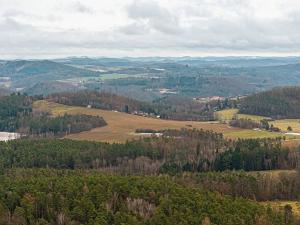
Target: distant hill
(25, 73)
(23, 68)
(276, 103)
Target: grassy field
(226, 114)
(229, 114)
(284, 124)
(122, 126)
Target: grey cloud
(81, 8)
(135, 28)
(157, 17)
(151, 27)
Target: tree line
(175, 152)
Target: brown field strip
(122, 126)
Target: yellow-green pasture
(226, 114)
(284, 124)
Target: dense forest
(47, 196)
(17, 115)
(44, 125)
(276, 103)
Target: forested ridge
(176, 108)
(276, 103)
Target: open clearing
(122, 126)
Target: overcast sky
(58, 28)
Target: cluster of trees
(184, 108)
(17, 115)
(47, 196)
(276, 103)
(245, 123)
(44, 125)
(251, 124)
